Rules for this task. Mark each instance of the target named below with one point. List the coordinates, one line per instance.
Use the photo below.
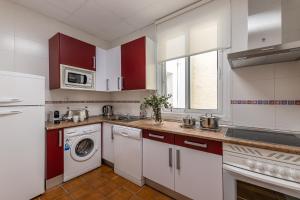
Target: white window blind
(202, 29)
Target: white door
(22, 152)
(158, 162)
(21, 89)
(108, 142)
(101, 63)
(198, 174)
(114, 69)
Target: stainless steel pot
(188, 121)
(208, 121)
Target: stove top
(267, 136)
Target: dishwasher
(128, 150)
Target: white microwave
(77, 78)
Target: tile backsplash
(267, 96)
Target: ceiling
(106, 19)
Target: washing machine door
(83, 148)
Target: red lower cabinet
(54, 153)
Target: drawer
(159, 136)
(209, 146)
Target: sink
(125, 118)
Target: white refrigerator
(22, 136)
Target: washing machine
(82, 150)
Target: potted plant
(157, 102)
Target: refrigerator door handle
(9, 100)
(12, 112)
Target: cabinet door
(101, 62)
(133, 64)
(77, 53)
(158, 162)
(108, 142)
(54, 153)
(198, 174)
(114, 69)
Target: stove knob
(272, 169)
(284, 172)
(295, 174)
(260, 166)
(250, 164)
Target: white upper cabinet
(113, 69)
(108, 73)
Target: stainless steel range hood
(266, 55)
(270, 24)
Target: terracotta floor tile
(121, 194)
(132, 187)
(53, 193)
(108, 188)
(148, 193)
(82, 191)
(101, 184)
(93, 196)
(135, 198)
(98, 183)
(73, 184)
(119, 180)
(65, 197)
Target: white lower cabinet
(158, 165)
(108, 142)
(191, 167)
(198, 174)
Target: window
(192, 81)
(189, 46)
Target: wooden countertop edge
(209, 135)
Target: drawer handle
(157, 136)
(195, 144)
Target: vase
(157, 116)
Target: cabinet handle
(60, 138)
(195, 144)
(122, 83)
(170, 158)
(107, 84)
(156, 136)
(118, 83)
(94, 62)
(178, 159)
(112, 133)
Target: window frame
(162, 86)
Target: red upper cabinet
(69, 51)
(138, 65)
(54, 153)
(76, 53)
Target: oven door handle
(262, 178)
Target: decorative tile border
(100, 101)
(266, 102)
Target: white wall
(24, 38)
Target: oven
(258, 174)
(77, 78)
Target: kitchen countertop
(174, 127)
